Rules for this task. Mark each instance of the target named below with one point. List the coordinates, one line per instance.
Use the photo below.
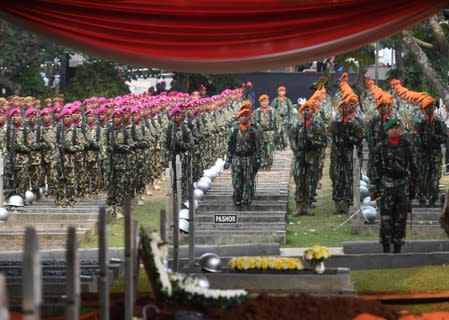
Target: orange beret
(385, 99)
(246, 105)
(427, 102)
(395, 82)
(264, 97)
(400, 90)
(244, 112)
(352, 99)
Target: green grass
(417, 278)
(147, 215)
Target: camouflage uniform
(49, 153)
(430, 136)
(139, 134)
(244, 148)
(19, 160)
(118, 147)
(393, 172)
(70, 143)
(344, 136)
(284, 109)
(94, 136)
(268, 124)
(34, 136)
(374, 136)
(179, 141)
(306, 143)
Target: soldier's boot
(148, 190)
(344, 207)
(386, 247)
(140, 199)
(422, 202)
(337, 207)
(397, 248)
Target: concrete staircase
(261, 222)
(422, 222)
(50, 222)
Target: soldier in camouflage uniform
(94, 138)
(19, 152)
(179, 141)
(139, 134)
(79, 155)
(244, 151)
(284, 109)
(118, 148)
(267, 118)
(306, 140)
(131, 154)
(34, 136)
(393, 172)
(376, 132)
(346, 131)
(70, 143)
(48, 177)
(431, 133)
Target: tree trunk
(436, 82)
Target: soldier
(284, 108)
(346, 131)
(131, 154)
(19, 152)
(78, 122)
(117, 149)
(393, 172)
(70, 142)
(34, 136)
(431, 133)
(139, 134)
(243, 155)
(376, 132)
(306, 140)
(267, 118)
(94, 135)
(48, 177)
(179, 141)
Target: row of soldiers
(119, 146)
(404, 138)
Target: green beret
(391, 122)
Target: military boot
(386, 247)
(344, 207)
(397, 248)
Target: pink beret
(135, 110)
(117, 113)
(14, 111)
(45, 111)
(101, 110)
(75, 108)
(89, 111)
(175, 110)
(65, 112)
(30, 111)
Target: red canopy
(217, 36)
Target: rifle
(12, 149)
(61, 149)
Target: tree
(21, 58)
(428, 44)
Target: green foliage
(22, 54)
(97, 78)
(32, 84)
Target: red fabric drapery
(217, 36)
